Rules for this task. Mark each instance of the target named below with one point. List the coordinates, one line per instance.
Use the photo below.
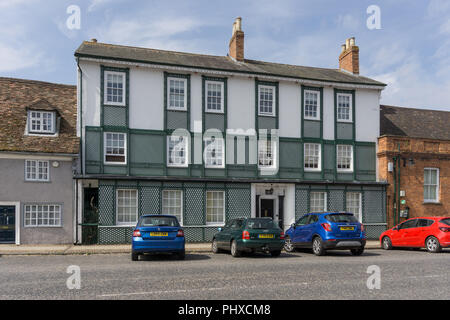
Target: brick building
(414, 158)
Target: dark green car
(249, 235)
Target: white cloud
(12, 59)
(348, 21)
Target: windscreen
(158, 222)
(342, 217)
(445, 221)
(261, 224)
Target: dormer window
(41, 122)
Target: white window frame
(105, 88)
(167, 210)
(222, 91)
(215, 223)
(37, 167)
(338, 158)
(40, 121)
(274, 97)
(36, 209)
(350, 111)
(263, 152)
(186, 152)
(348, 196)
(437, 186)
(207, 153)
(127, 223)
(169, 107)
(319, 165)
(324, 203)
(307, 117)
(105, 154)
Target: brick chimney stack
(349, 57)
(236, 45)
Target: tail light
(180, 233)
(444, 229)
(282, 235)
(326, 226)
(136, 233)
(245, 235)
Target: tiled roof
(222, 63)
(17, 96)
(415, 123)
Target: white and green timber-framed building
(130, 100)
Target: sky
(409, 50)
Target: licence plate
(347, 228)
(159, 234)
(265, 236)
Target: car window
(312, 219)
(424, 222)
(302, 221)
(408, 224)
(159, 222)
(237, 224)
(260, 224)
(341, 217)
(445, 221)
(229, 223)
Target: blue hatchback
(323, 231)
(157, 234)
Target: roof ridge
(36, 82)
(410, 108)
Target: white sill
(115, 163)
(176, 109)
(345, 121)
(177, 166)
(214, 111)
(311, 119)
(267, 115)
(312, 170)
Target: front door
(266, 209)
(90, 216)
(7, 224)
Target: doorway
(90, 216)
(7, 224)
(266, 208)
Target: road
(405, 274)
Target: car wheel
(317, 246)
(275, 253)
(433, 245)
(387, 243)
(181, 255)
(234, 250)
(134, 256)
(288, 246)
(357, 252)
(215, 247)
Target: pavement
(70, 249)
(401, 274)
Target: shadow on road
(169, 257)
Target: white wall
(290, 109)
(91, 93)
(367, 115)
(241, 103)
(328, 113)
(196, 99)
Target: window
(311, 102)
(266, 100)
(431, 185)
(172, 203)
(424, 223)
(344, 157)
(36, 170)
(115, 148)
(114, 88)
(127, 207)
(312, 157)
(214, 153)
(354, 204)
(344, 107)
(266, 153)
(177, 153)
(215, 207)
(41, 122)
(177, 94)
(214, 96)
(46, 215)
(318, 202)
(409, 224)
(302, 221)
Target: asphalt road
(405, 274)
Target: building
(414, 158)
(210, 138)
(38, 152)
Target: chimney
(349, 57)
(237, 41)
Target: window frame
(205, 154)
(105, 154)
(222, 92)
(319, 165)
(274, 101)
(273, 146)
(105, 88)
(37, 170)
(127, 223)
(41, 131)
(215, 223)
(350, 110)
(359, 213)
(325, 203)
(48, 205)
(317, 117)
(186, 153)
(180, 219)
(351, 158)
(185, 82)
(437, 186)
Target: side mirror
(293, 226)
(219, 229)
(395, 228)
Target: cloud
(348, 21)
(12, 59)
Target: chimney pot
(93, 40)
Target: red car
(433, 233)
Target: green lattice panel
(194, 234)
(114, 235)
(238, 203)
(373, 204)
(194, 207)
(176, 120)
(301, 202)
(149, 200)
(373, 232)
(209, 233)
(335, 199)
(114, 116)
(106, 205)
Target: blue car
(324, 231)
(157, 234)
